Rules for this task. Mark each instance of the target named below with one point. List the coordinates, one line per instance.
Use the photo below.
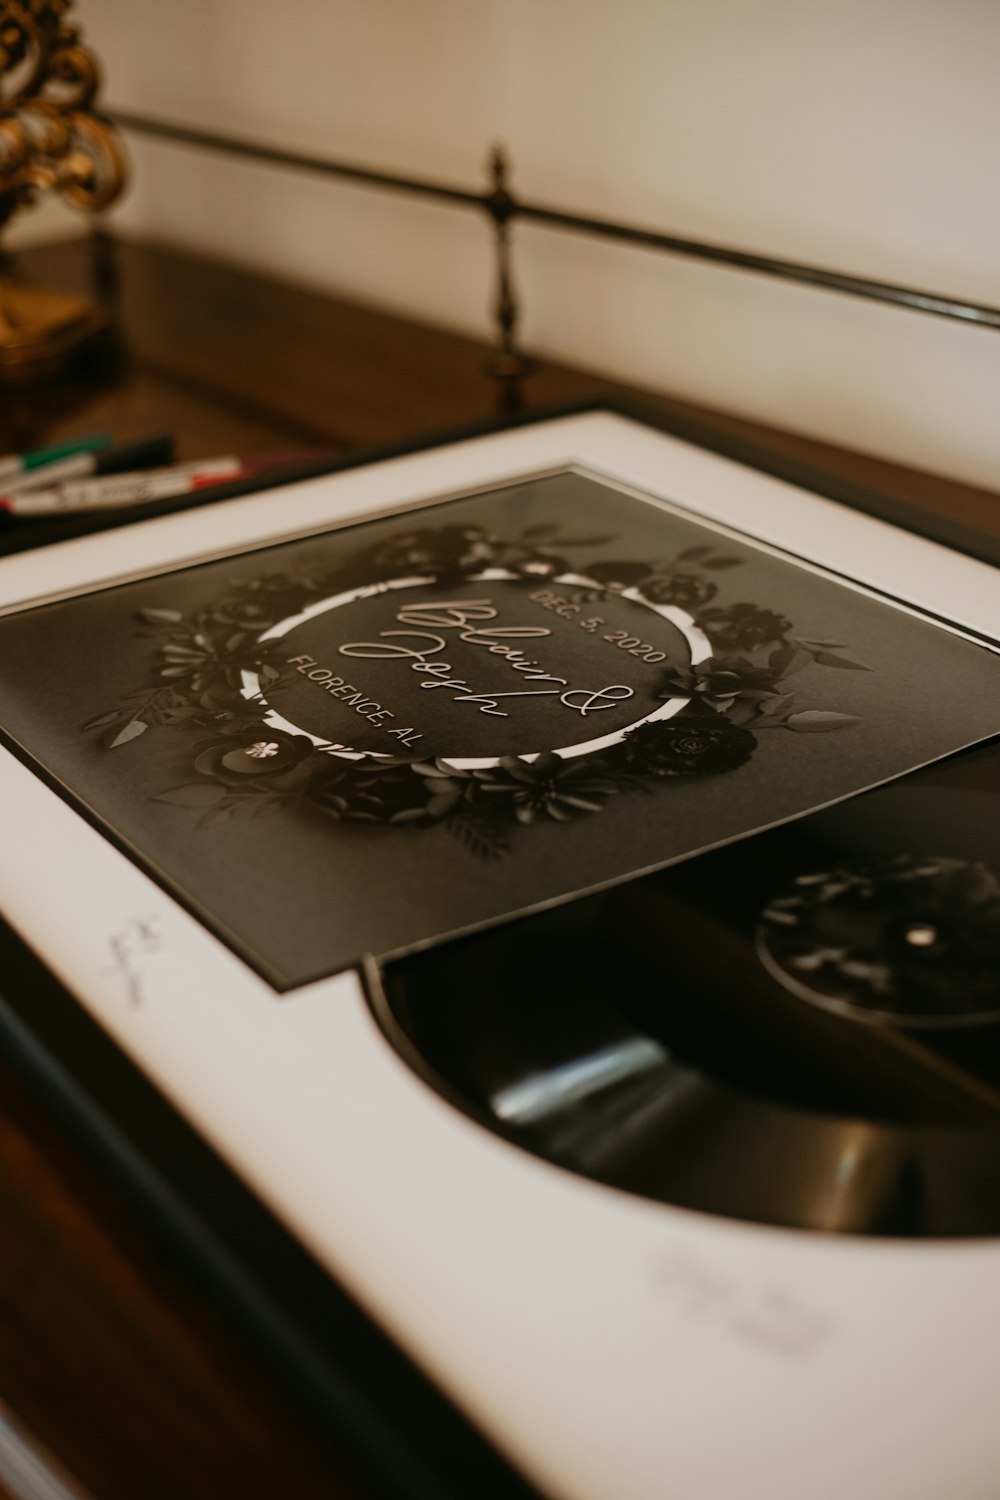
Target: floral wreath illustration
(243, 765)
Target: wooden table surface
(109, 1352)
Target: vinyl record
(800, 1029)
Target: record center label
(908, 940)
(473, 670)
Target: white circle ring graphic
(698, 644)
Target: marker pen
(152, 452)
(23, 463)
(120, 491)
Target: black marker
(150, 453)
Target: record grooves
(800, 1029)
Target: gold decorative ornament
(50, 140)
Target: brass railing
(502, 208)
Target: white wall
(860, 134)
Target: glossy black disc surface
(667, 1038)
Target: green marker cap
(91, 442)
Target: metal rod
(936, 304)
(507, 364)
(275, 156)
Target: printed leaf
(479, 837)
(195, 794)
(265, 806)
(585, 541)
(690, 553)
(776, 705)
(554, 810)
(583, 803)
(742, 712)
(103, 719)
(131, 731)
(544, 528)
(815, 720)
(161, 616)
(795, 663)
(716, 564)
(437, 807)
(771, 714)
(825, 659)
(216, 815)
(519, 769)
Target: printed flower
(278, 593)
(443, 551)
(370, 792)
(259, 751)
(685, 590)
(223, 710)
(548, 787)
(253, 615)
(445, 787)
(196, 660)
(538, 565)
(740, 627)
(719, 677)
(205, 665)
(700, 745)
(618, 575)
